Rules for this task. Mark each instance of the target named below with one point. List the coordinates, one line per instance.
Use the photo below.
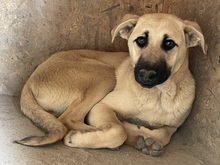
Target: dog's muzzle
(149, 75)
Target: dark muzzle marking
(151, 74)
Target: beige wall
(31, 30)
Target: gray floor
(15, 126)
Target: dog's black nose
(146, 77)
(149, 74)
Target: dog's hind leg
(75, 115)
(150, 142)
(109, 132)
(73, 118)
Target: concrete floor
(16, 126)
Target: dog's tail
(53, 128)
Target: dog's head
(158, 45)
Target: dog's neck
(183, 67)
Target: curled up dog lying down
(95, 99)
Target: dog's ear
(125, 27)
(194, 35)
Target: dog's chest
(150, 112)
(147, 110)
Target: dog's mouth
(149, 75)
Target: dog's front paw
(149, 146)
(69, 139)
(76, 138)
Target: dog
(95, 99)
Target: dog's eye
(142, 41)
(168, 44)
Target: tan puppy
(152, 97)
